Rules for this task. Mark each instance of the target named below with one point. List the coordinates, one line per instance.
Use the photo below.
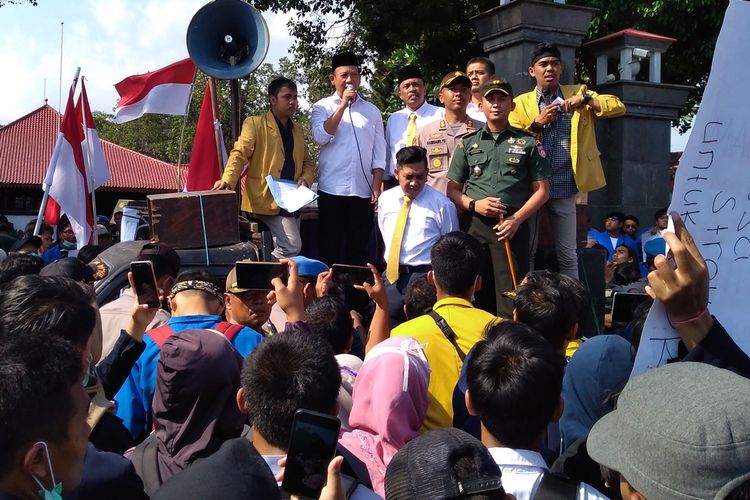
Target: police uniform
(440, 140)
(501, 167)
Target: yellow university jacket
(260, 146)
(587, 167)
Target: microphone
(546, 94)
(350, 86)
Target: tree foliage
(440, 37)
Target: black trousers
(496, 277)
(344, 227)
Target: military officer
(506, 179)
(440, 137)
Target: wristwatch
(471, 206)
(586, 98)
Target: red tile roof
(26, 147)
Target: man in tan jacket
(272, 144)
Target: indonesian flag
(66, 176)
(98, 169)
(204, 168)
(165, 91)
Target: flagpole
(215, 115)
(182, 134)
(52, 164)
(88, 164)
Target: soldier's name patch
(441, 141)
(515, 150)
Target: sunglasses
(630, 226)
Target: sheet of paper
(288, 195)
(712, 194)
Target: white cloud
(109, 39)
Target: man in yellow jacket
(272, 144)
(562, 118)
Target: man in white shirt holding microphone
(350, 133)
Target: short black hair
(87, 253)
(419, 298)
(482, 60)
(632, 217)
(286, 372)
(329, 317)
(660, 213)
(618, 215)
(47, 305)
(279, 83)
(45, 228)
(551, 303)
(62, 223)
(411, 155)
(627, 273)
(36, 375)
(456, 262)
(164, 258)
(514, 381)
(19, 264)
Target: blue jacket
(133, 401)
(602, 237)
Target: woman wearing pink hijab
(389, 404)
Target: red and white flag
(98, 169)
(165, 91)
(204, 168)
(66, 177)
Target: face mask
(67, 245)
(86, 374)
(56, 492)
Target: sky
(109, 40)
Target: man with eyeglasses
(562, 118)
(613, 236)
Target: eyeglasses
(616, 219)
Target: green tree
(440, 36)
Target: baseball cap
(231, 284)
(454, 77)
(70, 267)
(501, 86)
(654, 247)
(309, 267)
(679, 431)
(444, 463)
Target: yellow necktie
(411, 130)
(394, 254)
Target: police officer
(440, 137)
(506, 178)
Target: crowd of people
(454, 371)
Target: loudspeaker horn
(227, 39)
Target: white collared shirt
(340, 171)
(395, 129)
(522, 473)
(431, 215)
(475, 113)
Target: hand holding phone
(258, 275)
(351, 275)
(144, 282)
(311, 448)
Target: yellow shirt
(469, 324)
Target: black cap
(444, 463)
(501, 86)
(454, 77)
(72, 268)
(344, 59)
(409, 71)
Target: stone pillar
(635, 150)
(510, 32)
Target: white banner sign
(712, 193)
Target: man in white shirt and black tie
(412, 217)
(401, 129)
(350, 133)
